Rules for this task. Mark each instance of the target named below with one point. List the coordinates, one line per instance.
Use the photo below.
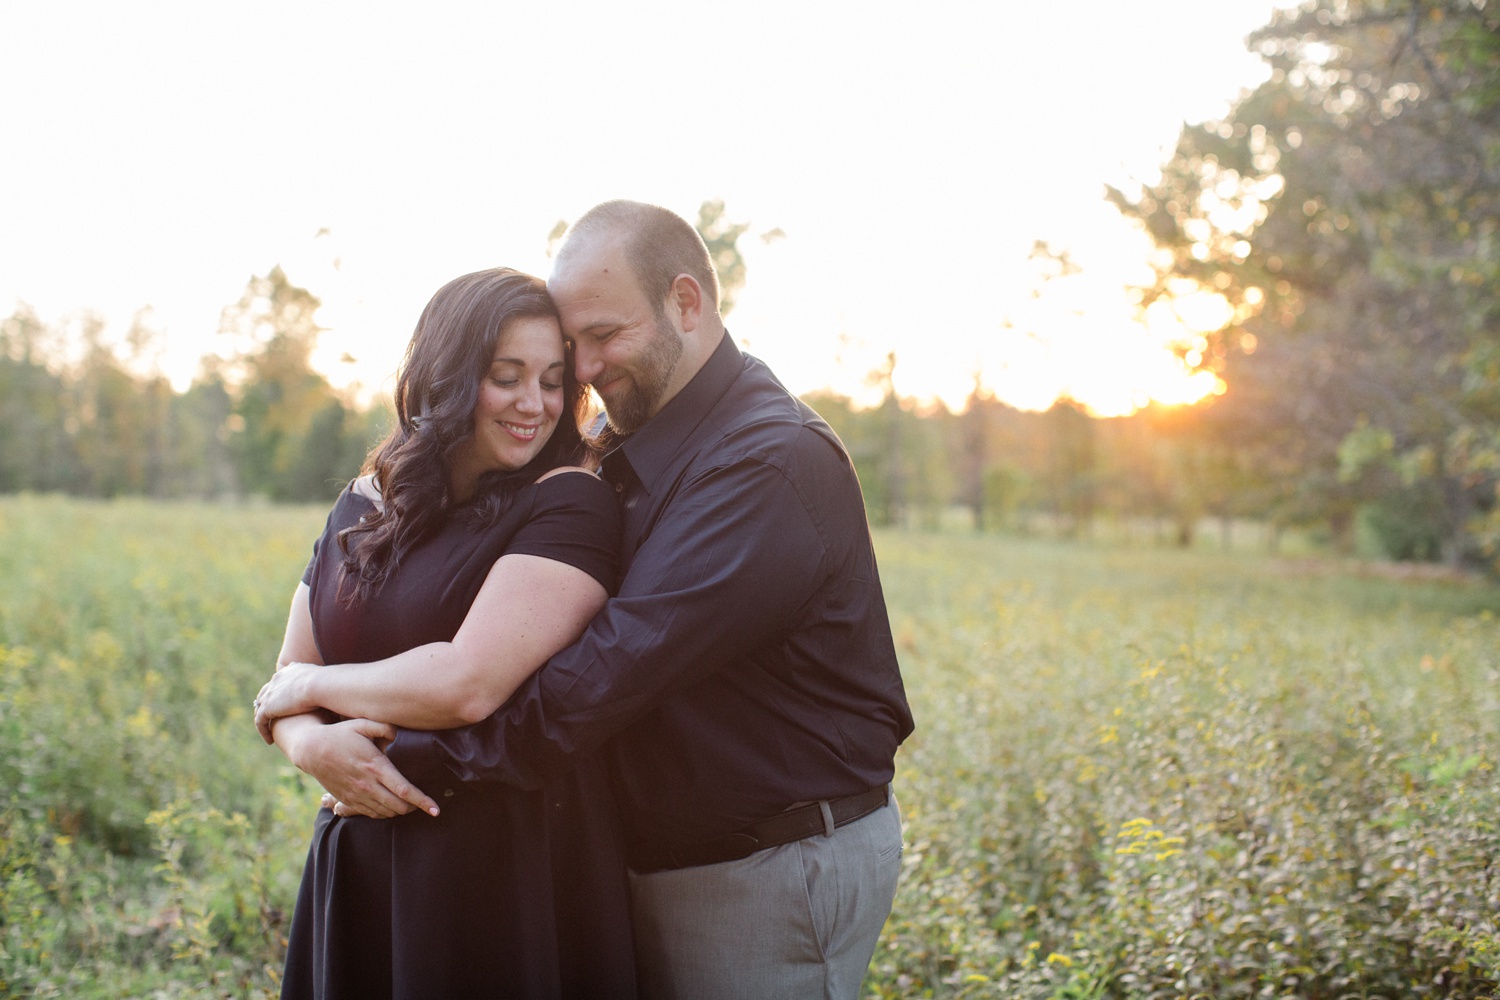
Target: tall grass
(148, 845)
(1136, 773)
(1151, 774)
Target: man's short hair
(658, 243)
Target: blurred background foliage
(1347, 211)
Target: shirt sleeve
(577, 522)
(733, 560)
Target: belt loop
(827, 817)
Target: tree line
(1347, 211)
(262, 422)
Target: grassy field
(1137, 773)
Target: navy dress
(509, 892)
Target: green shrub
(1167, 775)
(1136, 774)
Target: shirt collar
(649, 450)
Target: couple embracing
(599, 717)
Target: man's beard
(637, 401)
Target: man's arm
(733, 559)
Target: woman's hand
(347, 758)
(286, 693)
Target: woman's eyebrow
(519, 363)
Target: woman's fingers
(278, 696)
(263, 724)
(379, 733)
(362, 779)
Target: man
(745, 671)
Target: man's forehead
(599, 277)
(592, 256)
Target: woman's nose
(530, 399)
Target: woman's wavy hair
(437, 389)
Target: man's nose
(586, 363)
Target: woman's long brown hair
(436, 391)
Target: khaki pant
(796, 921)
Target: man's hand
(348, 759)
(283, 695)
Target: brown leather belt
(783, 828)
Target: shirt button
(447, 793)
(619, 487)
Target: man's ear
(686, 297)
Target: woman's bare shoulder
(367, 487)
(566, 468)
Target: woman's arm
(298, 645)
(528, 608)
(347, 758)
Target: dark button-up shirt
(746, 663)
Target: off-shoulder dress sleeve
(575, 520)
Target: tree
(722, 238)
(974, 451)
(38, 453)
(1071, 474)
(1348, 210)
(289, 420)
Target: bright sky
(161, 153)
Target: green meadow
(1137, 772)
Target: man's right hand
(348, 759)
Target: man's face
(624, 345)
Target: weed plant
(1136, 773)
(1166, 774)
(149, 844)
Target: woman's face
(520, 401)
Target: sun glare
(1085, 344)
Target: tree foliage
(1349, 210)
(292, 438)
(261, 422)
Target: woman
(472, 550)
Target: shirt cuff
(416, 755)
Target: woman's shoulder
(353, 501)
(563, 470)
(365, 486)
(573, 517)
(571, 480)
(573, 488)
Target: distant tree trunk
(976, 453)
(1341, 525)
(895, 485)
